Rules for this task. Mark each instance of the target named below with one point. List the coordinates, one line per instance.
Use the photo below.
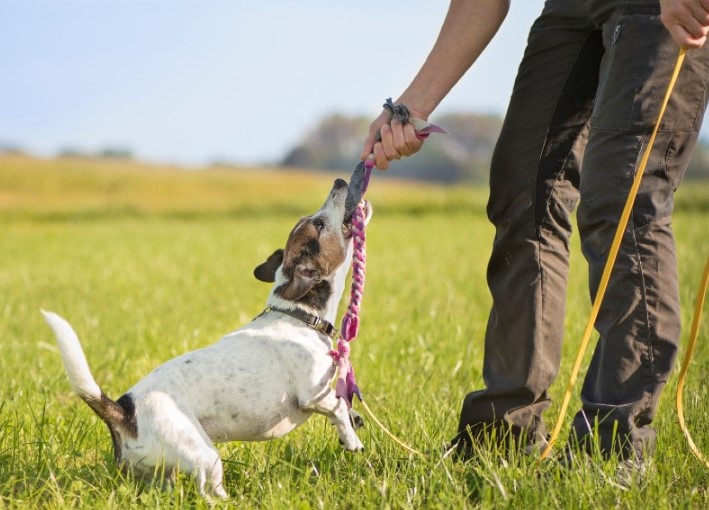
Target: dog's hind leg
(207, 469)
(180, 442)
(336, 410)
(215, 479)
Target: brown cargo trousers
(584, 103)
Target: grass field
(150, 262)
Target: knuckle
(391, 153)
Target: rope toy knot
(397, 111)
(350, 328)
(343, 349)
(401, 113)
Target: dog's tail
(119, 416)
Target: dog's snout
(339, 184)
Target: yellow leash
(388, 433)
(611, 260)
(685, 363)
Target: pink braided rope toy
(346, 386)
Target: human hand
(687, 21)
(397, 140)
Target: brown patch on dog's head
(314, 250)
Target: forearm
(468, 28)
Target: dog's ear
(303, 279)
(266, 272)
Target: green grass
(147, 264)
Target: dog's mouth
(347, 223)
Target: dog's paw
(357, 446)
(352, 446)
(356, 419)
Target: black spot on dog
(120, 418)
(318, 296)
(188, 361)
(312, 247)
(127, 403)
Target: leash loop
(397, 111)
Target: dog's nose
(339, 184)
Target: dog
(257, 383)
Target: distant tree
(303, 155)
(8, 149)
(332, 145)
(115, 153)
(699, 164)
(72, 152)
(431, 164)
(225, 164)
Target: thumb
(368, 147)
(371, 139)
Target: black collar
(314, 321)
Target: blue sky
(188, 82)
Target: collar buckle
(314, 321)
(324, 327)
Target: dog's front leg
(336, 410)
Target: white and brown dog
(257, 383)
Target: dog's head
(315, 249)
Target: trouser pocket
(636, 70)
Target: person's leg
(639, 322)
(533, 189)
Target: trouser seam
(645, 310)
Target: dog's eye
(319, 224)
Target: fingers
(374, 128)
(692, 24)
(397, 141)
(687, 21)
(405, 140)
(382, 162)
(368, 147)
(687, 39)
(700, 11)
(413, 142)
